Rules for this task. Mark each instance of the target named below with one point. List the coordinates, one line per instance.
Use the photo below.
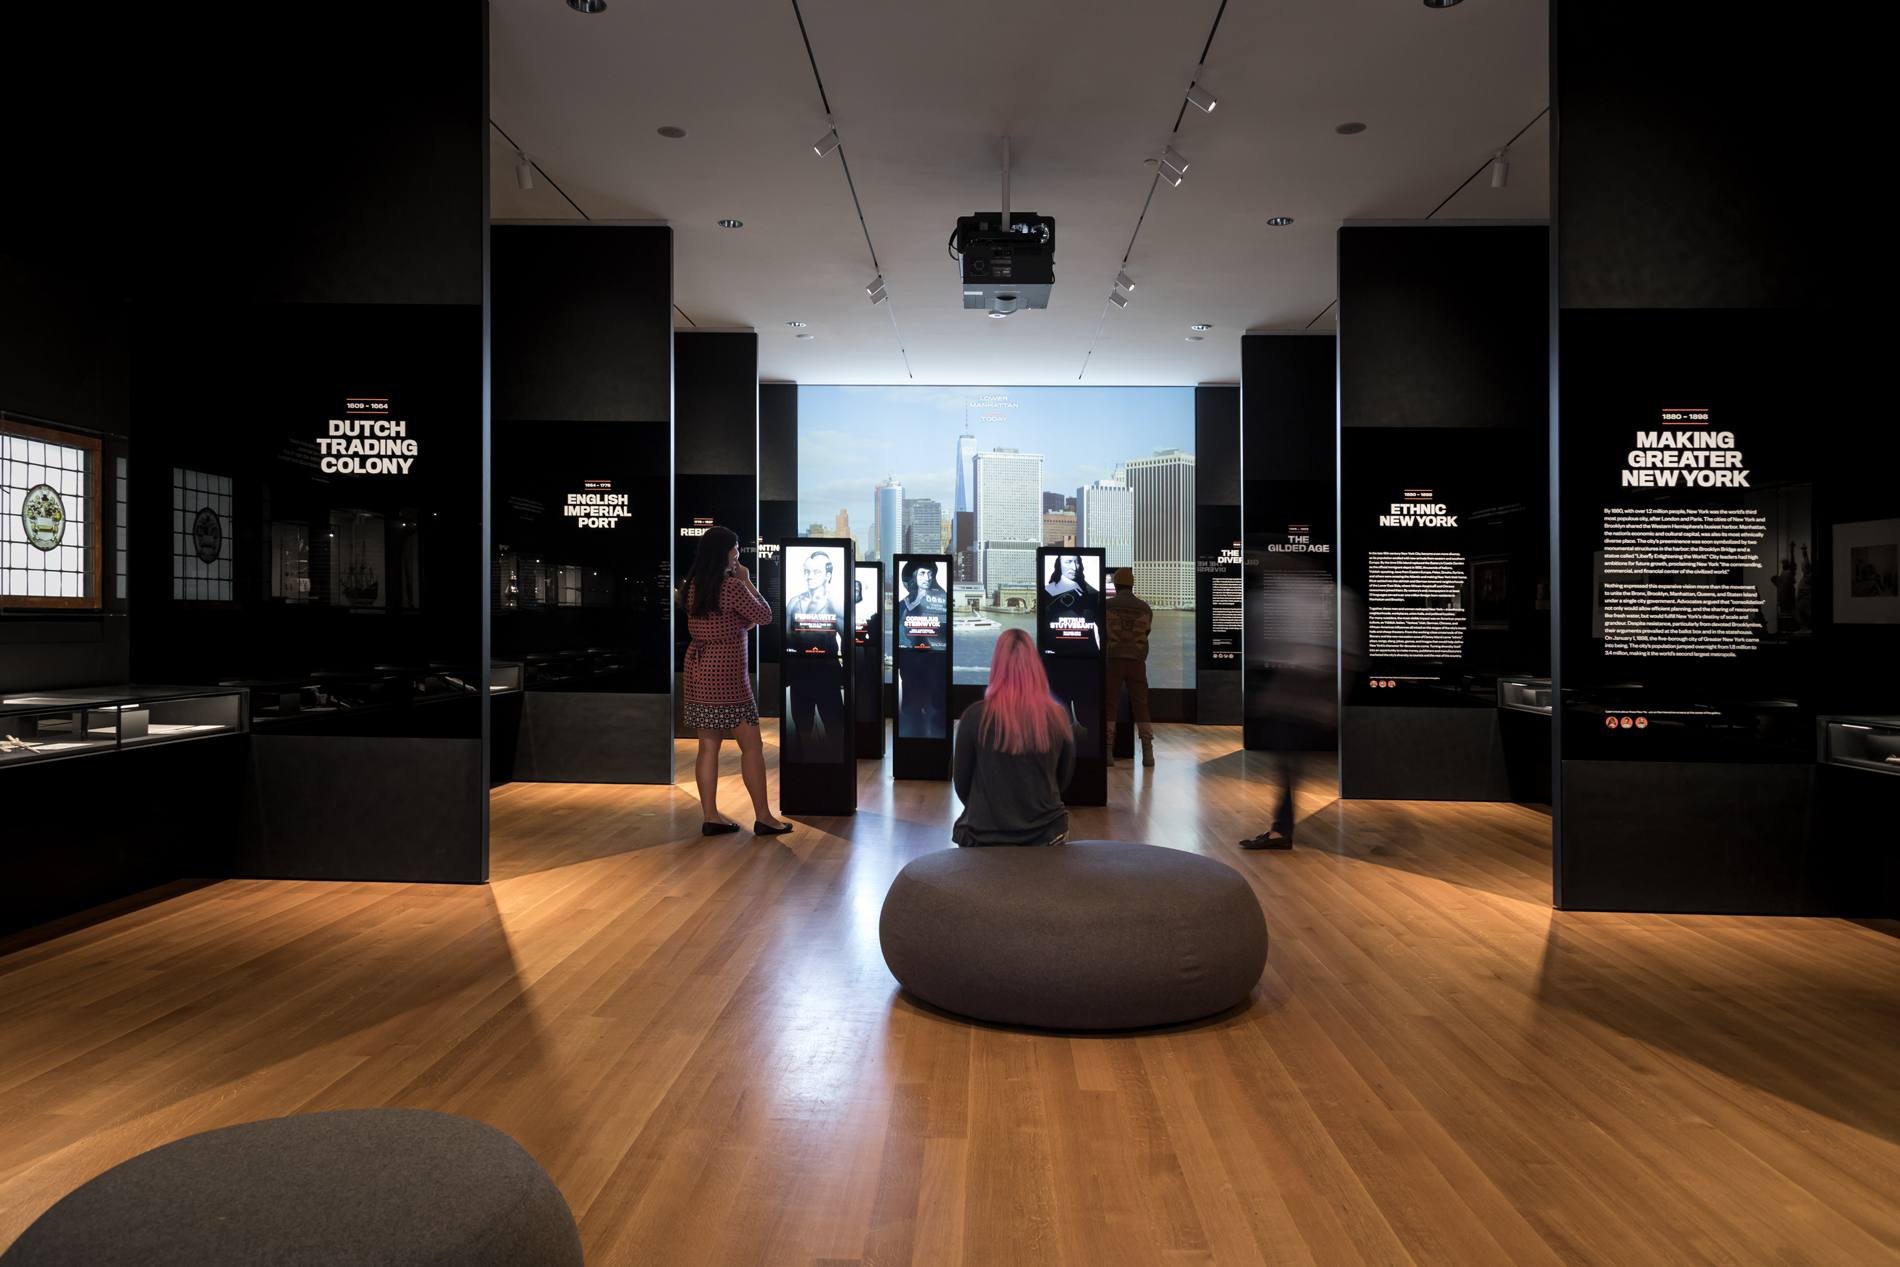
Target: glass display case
(1525, 694)
(1865, 743)
(49, 725)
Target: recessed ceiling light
(796, 325)
(802, 336)
(1194, 338)
(587, 6)
(732, 224)
(672, 133)
(1201, 327)
(1350, 129)
(1430, 4)
(1280, 222)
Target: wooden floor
(699, 1041)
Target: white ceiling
(923, 93)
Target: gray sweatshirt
(1008, 799)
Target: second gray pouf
(1090, 935)
(352, 1188)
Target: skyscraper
(1105, 517)
(966, 491)
(923, 525)
(888, 527)
(1008, 524)
(841, 528)
(1163, 490)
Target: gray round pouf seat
(1096, 934)
(353, 1188)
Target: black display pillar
(583, 402)
(1443, 550)
(921, 653)
(778, 519)
(1217, 558)
(1724, 493)
(715, 460)
(1289, 496)
(1071, 634)
(818, 758)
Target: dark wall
(1443, 325)
(583, 322)
(778, 515)
(1217, 567)
(1289, 435)
(1443, 400)
(583, 372)
(1676, 272)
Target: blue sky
(850, 438)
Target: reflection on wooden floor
(697, 1037)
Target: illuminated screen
(812, 663)
(987, 475)
(1071, 605)
(923, 604)
(921, 636)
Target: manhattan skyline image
(1021, 447)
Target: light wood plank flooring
(698, 1039)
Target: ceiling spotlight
(1201, 327)
(1430, 4)
(1175, 159)
(1280, 222)
(796, 325)
(1194, 338)
(587, 6)
(1168, 174)
(1118, 299)
(732, 224)
(1204, 99)
(1121, 279)
(879, 297)
(1350, 129)
(874, 285)
(671, 133)
(826, 143)
(1500, 170)
(524, 170)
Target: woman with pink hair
(1015, 754)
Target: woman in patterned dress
(721, 607)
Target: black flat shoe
(760, 829)
(1268, 840)
(717, 829)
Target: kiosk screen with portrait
(920, 642)
(1070, 604)
(817, 605)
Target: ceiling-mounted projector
(1007, 259)
(1007, 265)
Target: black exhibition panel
(921, 647)
(1071, 634)
(1289, 499)
(778, 518)
(1218, 607)
(818, 762)
(579, 599)
(1443, 354)
(867, 635)
(582, 503)
(715, 463)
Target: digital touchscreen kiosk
(867, 625)
(1070, 633)
(920, 644)
(817, 736)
